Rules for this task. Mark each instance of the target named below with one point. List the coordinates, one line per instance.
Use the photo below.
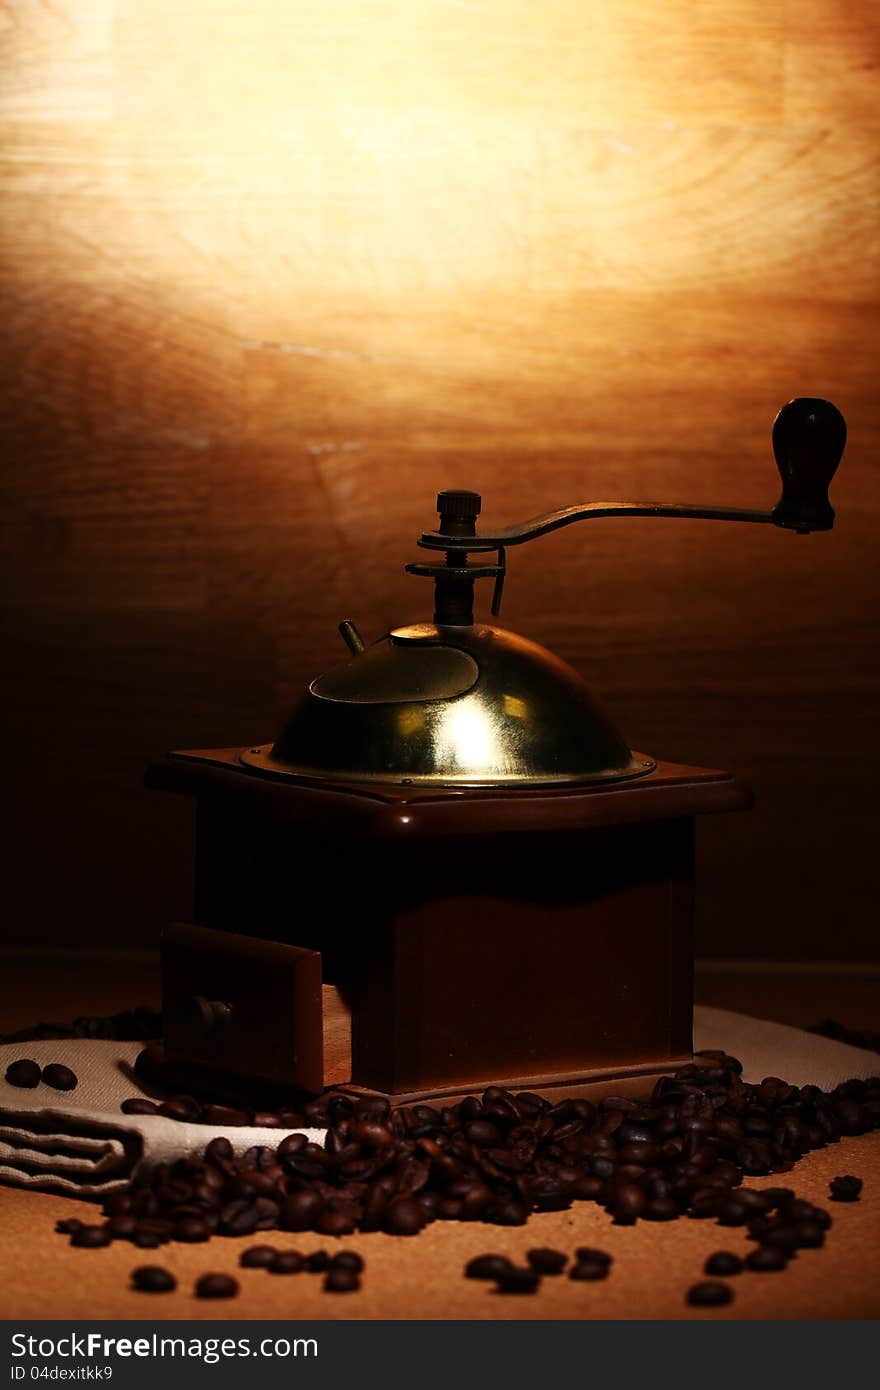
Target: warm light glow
(466, 739)
(256, 153)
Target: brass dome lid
(450, 706)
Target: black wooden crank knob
(809, 436)
(458, 512)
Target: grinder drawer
(240, 1008)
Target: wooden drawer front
(242, 1007)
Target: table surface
(421, 1278)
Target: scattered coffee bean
(139, 1105)
(24, 1073)
(68, 1225)
(845, 1189)
(766, 1258)
(589, 1270)
(709, 1295)
(517, 1280)
(287, 1262)
(153, 1279)
(487, 1267)
(318, 1262)
(723, 1262)
(584, 1252)
(216, 1286)
(258, 1257)
(339, 1279)
(91, 1237)
(547, 1261)
(348, 1259)
(59, 1077)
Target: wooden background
(274, 273)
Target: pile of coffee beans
(497, 1158)
(683, 1151)
(27, 1074)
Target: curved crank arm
(809, 436)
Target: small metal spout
(351, 637)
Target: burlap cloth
(81, 1144)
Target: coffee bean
(810, 1235)
(589, 1270)
(145, 1240)
(723, 1262)
(339, 1279)
(403, 1217)
(628, 1203)
(122, 1227)
(59, 1077)
(766, 1258)
(709, 1295)
(516, 1280)
(286, 1262)
(318, 1262)
(782, 1238)
(91, 1237)
(845, 1189)
(338, 1222)
(547, 1261)
(191, 1228)
(139, 1105)
(661, 1209)
(265, 1119)
(24, 1073)
(486, 1266)
(778, 1196)
(221, 1115)
(483, 1133)
(348, 1259)
(182, 1108)
(301, 1211)
(258, 1257)
(509, 1213)
(584, 1252)
(219, 1151)
(216, 1286)
(733, 1213)
(152, 1279)
(67, 1225)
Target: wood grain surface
(272, 276)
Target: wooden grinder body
(424, 944)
